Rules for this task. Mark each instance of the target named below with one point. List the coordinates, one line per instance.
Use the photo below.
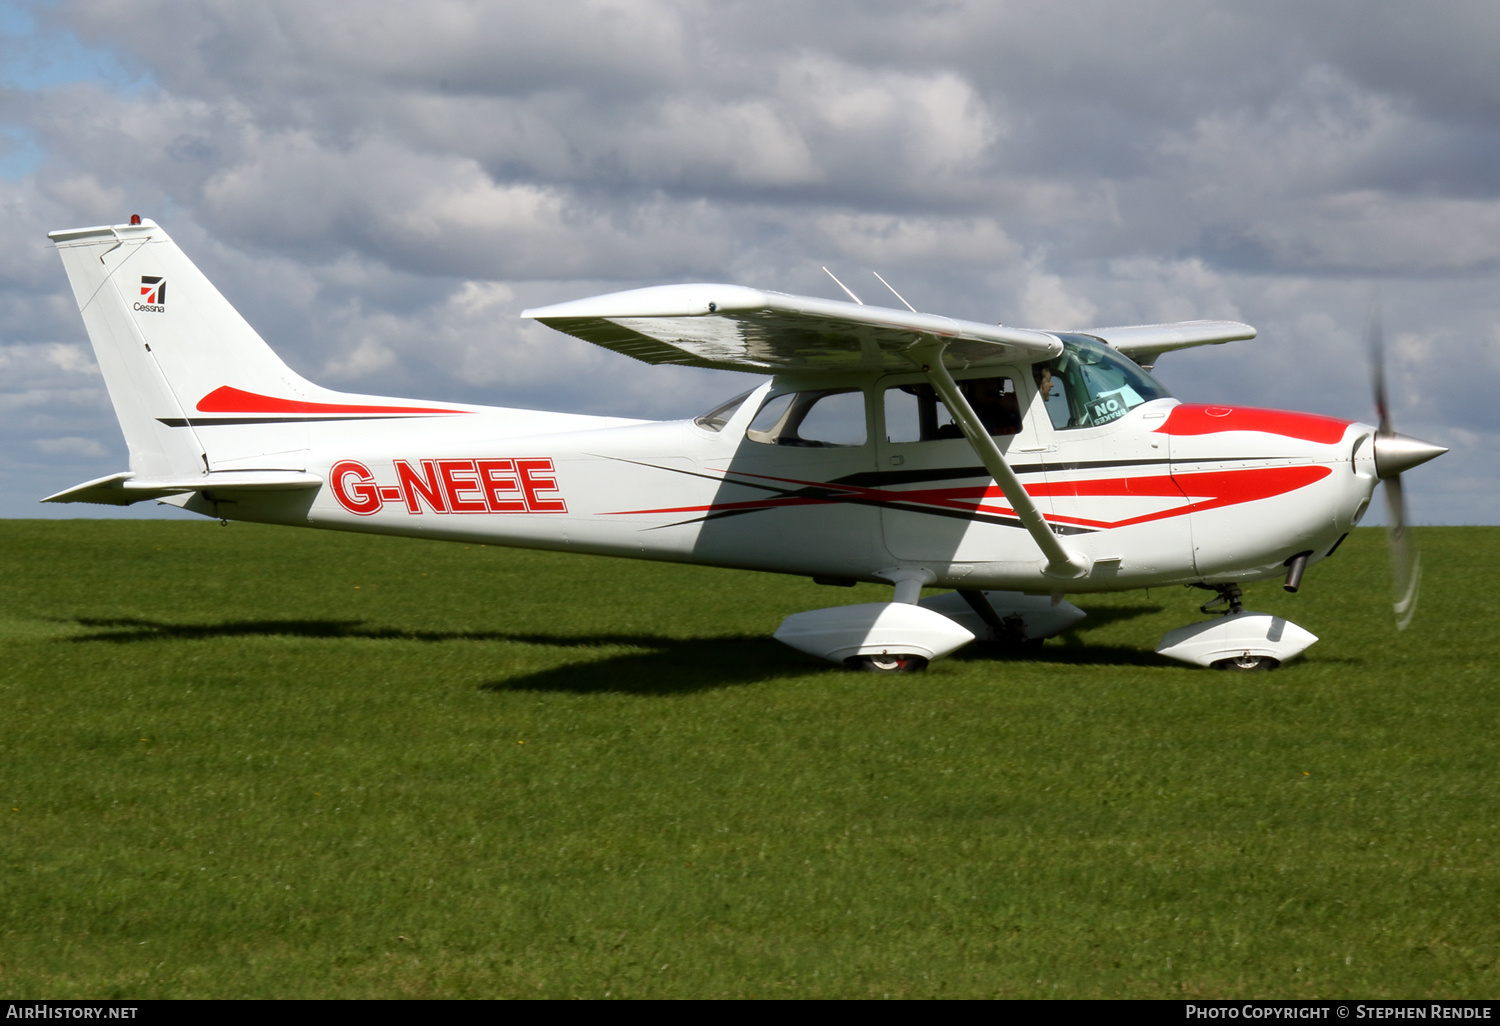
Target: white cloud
(71, 359)
(887, 240)
(1047, 303)
(88, 448)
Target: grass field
(258, 762)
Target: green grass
(254, 762)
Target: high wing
(1143, 343)
(731, 327)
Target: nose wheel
(1247, 664)
(887, 663)
(1236, 640)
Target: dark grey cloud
(1441, 62)
(381, 188)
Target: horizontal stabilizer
(1143, 343)
(730, 327)
(123, 489)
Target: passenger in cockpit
(994, 403)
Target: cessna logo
(153, 294)
(452, 486)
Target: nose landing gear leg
(1230, 596)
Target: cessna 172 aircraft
(1008, 465)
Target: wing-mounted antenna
(894, 292)
(847, 291)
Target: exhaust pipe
(1295, 568)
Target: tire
(1247, 664)
(894, 662)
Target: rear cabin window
(716, 418)
(915, 413)
(818, 419)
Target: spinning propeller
(1393, 454)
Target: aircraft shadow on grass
(127, 630)
(672, 667)
(667, 666)
(676, 666)
(1070, 648)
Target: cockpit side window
(1091, 384)
(915, 413)
(823, 418)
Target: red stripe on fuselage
(233, 400)
(1189, 419)
(1197, 492)
(1210, 489)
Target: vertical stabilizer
(166, 341)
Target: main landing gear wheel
(887, 663)
(1247, 664)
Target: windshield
(1091, 384)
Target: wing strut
(1061, 562)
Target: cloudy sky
(381, 187)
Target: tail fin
(167, 341)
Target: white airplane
(1009, 465)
